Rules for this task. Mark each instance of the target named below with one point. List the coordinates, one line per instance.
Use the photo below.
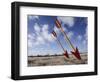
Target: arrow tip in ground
(76, 53)
(66, 54)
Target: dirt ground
(56, 60)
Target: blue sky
(41, 42)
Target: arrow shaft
(67, 39)
(60, 44)
(75, 51)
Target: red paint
(58, 24)
(76, 54)
(54, 33)
(66, 54)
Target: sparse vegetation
(56, 59)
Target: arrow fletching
(54, 34)
(58, 24)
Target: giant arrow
(75, 51)
(65, 51)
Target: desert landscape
(50, 60)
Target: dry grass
(56, 60)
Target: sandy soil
(56, 60)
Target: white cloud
(85, 37)
(31, 17)
(57, 30)
(70, 34)
(31, 36)
(84, 41)
(39, 40)
(37, 28)
(45, 27)
(46, 35)
(86, 33)
(79, 37)
(67, 20)
(30, 44)
(31, 39)
(40, 36)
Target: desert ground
(56, 60)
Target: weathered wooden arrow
(65, 51)
(75, 51)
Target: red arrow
(65, 51)
(75, 52)
(54, 34)
(66, 54)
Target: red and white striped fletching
(58, 24)
(54, 33)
